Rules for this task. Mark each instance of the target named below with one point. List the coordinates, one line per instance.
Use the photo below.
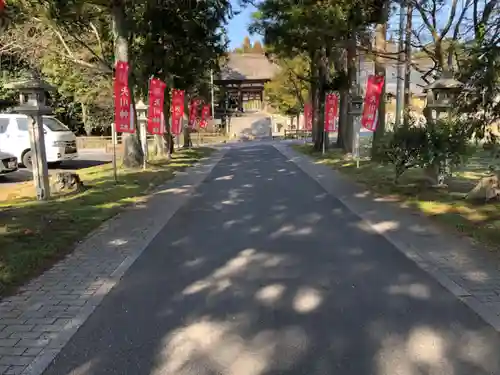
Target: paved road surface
(262, 273)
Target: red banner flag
(374, 88)
(155, 109)
(205, 114)
(177, 111)
(124, 117)
(193, 112)
(331, 112)
(308, 118)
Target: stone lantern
(441, 96)
(356, 106)
(32, 102)
(142, 118)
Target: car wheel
(28, 160)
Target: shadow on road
(264, 273)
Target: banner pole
(324, 141)
(358, 130)
(113, 141)
(144, 144)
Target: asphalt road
(84, 160)
(263, 273)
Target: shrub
(447, 146)
(403, 149)
(439, 145)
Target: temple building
(243, 78)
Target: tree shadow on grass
(447, 206)
(264, 273)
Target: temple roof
(247, 66)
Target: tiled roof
(247, 66)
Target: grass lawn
(447, 206)
(34, 235)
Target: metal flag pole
(305, 130)
(114, 139)
(144, 143)
(178, 136)
(199, 131)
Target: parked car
(8, 163)
(60, 142)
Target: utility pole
(399, 83)
(407, 92)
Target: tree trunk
(159, 146)
(88, 129)
(351, 73)
(339, 60)
(186, 131)
(313, 93)
(319, 104)
(439, 54)
(407, 87)
(168, 140)
(344, 141)
(132, 152)
(160, 141)
(380, 47)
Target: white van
(60, 142)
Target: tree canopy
(287, 91)
(74, 44)
(248, 47)
(327, 32)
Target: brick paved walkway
(39, 321)
(472, 274)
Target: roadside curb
(442, 256)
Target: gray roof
(247, 66)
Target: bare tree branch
(63, 42)
(422, 11)
(451, 18)
(98, 37)
(433, 15)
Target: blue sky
(238, 26)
